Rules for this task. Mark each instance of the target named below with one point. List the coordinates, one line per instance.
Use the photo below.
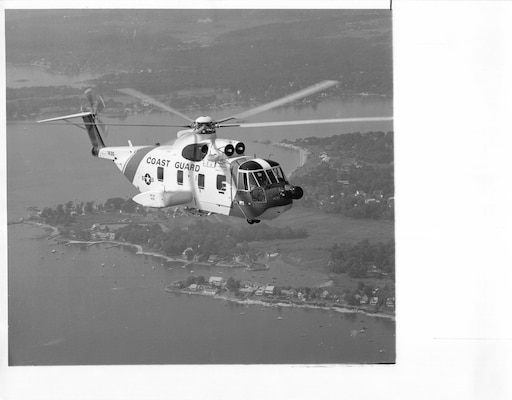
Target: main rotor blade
(49, 122)
(307, 122)
(283, 100)
(155, 102)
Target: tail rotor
(96, 105)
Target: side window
(221, 182)
(200, 181)
(160, 174)
(180, 177)
(242, 181)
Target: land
(350, 174)
(268, 248)
(379, 304)
(256, 51)
(197, 58)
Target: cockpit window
(195, 152)
(271, 176)
(252, 181)
(279, 174)
(262, 178)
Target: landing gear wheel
(253, 221)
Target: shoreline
(55, 231)
(303, 154)
(271, 303)
(141, 251)
(345, 309)
(139, 248)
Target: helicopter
(198, 170)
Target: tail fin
(92, 127)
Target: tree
(129, 206)
(89, 207)
(357, 269)
(231, 284)
(60, 209)
(114, 203)
(189, 254)
(47, 211)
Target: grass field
(334, 228)
(324, 231)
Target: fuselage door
(214, 190)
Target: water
(26, 75)
(66, 309)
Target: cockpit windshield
(249, 180)
(253, 173)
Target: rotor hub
(205, 125)
(204, 120)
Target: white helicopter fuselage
(201, 172)
(159, 169)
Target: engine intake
(240, 148)
(229, 150)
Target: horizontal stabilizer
(82, 114)
(162, 199)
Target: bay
(96, 305)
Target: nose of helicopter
(295, 192)
(268, 203)
(280, 200)
(275, 195)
